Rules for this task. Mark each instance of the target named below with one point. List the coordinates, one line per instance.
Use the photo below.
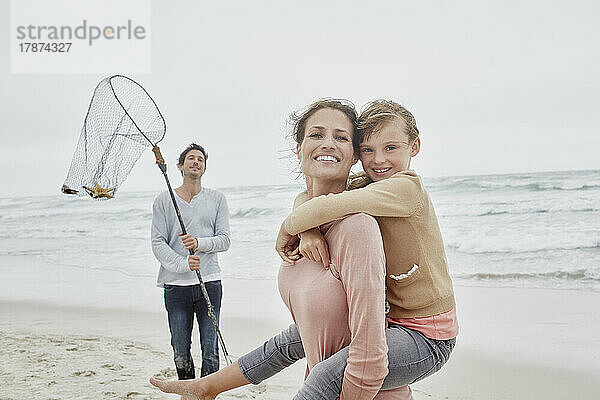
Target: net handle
(158, 155)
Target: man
(206, 218)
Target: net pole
(211, 311)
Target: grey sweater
(206, 218)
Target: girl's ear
(416, 147)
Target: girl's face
(326, 151)
(388, 151)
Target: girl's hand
(286, 246)
(314, 247)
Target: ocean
(521, 230)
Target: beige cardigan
(417, 279)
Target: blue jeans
(182, 302)
(411, 357)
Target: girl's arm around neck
(300, 199)
(398, 196)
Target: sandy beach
(513, 344)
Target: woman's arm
(398, 196)
(359, 259)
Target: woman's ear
(298, 148)
(416, 147)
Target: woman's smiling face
(388, 150)
(326, 152)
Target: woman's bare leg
(206, 388)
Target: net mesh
(121, 122)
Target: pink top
(442, 326)
(344, 305)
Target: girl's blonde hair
(379, 112)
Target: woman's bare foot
(192, 389)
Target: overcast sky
(496, 87)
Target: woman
(421, 308)
(353, 288)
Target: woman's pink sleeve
(360, 264)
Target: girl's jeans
(411, 357)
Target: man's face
(194, 164)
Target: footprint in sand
(86, 373)
(113, 367)
(136, 395)
(166, 373)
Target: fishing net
(121, 122)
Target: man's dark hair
(191, 147)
